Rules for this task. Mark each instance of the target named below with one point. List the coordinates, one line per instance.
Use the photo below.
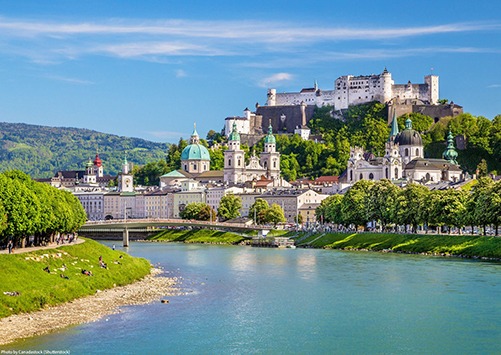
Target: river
(284, 301)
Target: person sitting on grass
(46, 269)
(87, 272)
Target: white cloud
(45, 41)
(494, 86)
(275, 79)
(69, 80)
(180, 73)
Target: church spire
(394, 127)
(450, 154)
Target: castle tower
(270, 158)
(234, 159)
(387, 85)
(272, 97)
(433, 93)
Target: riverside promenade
(48, 246)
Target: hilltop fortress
(289, 112)
(354, 90)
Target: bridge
(149, 224)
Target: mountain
(41, 151)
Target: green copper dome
(270, 138)
(195, 152)
(234, 135)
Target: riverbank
(463, 246)
(83, 310)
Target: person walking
(9, 246)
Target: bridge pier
(126, 237)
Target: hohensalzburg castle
(354, 90)
(289, 112)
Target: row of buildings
(259, 176)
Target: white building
(403, 159)
(268, 163)
(353, 90)
(93, 203)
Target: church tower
(125, 183)
(234, 159)
(89, 176)
(270, 158)
(392, 160)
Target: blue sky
(150, 69)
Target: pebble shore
(151, 288)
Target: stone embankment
(153, 287)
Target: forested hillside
(41, 151)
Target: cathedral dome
(270, 138)
(409, 136)
(195, 152)
(97, 161)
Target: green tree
(330, 210)
(257, 210)
(199, 211)
(355, 204)
(229, 207)
(482, 169)
(274, 214)
(410, 205)
(382, 199)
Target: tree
(199, 211)
(355, 204)
(482, 169)
(229, 207)
(256, 211)
(330, 210)
(382, 197)
(409, 205)
(274, 214)
(149, 174)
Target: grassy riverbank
(455, 245)
(205, 236)
(30, 288)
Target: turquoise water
(282, 301)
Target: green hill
(40, 151)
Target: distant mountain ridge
(41, 151)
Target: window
(406, 152)
(229, 162)
(417, 151)
(396, 173)
(386, 173)
(361, 176)
(371, 176)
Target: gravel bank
(151, 288)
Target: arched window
(229, 162)
(185, 167)
(351, 175)
(274, 164)
(396, 173)
(371, 176)
(361, 176)
(386, 173)
(406, 152)
(238, 162)
(265, 164)
(417, 152)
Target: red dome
(97, 161)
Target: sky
(150, 68)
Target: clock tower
(125, 180)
